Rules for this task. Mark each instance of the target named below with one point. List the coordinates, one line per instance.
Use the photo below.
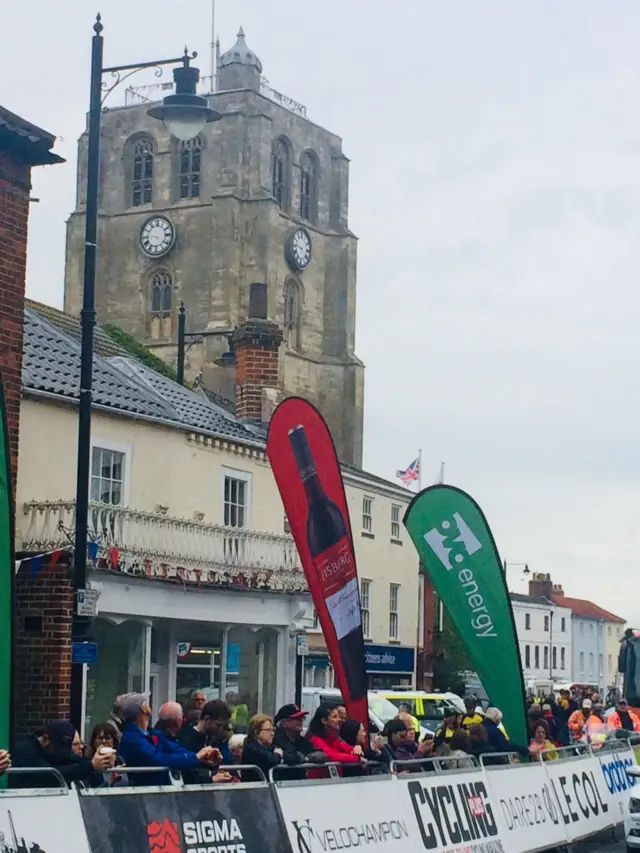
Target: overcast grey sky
(495, 188)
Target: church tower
(259, 198)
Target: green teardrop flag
(459, 554)
(7, 573)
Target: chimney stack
(541, 585)
(256, 344)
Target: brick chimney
(256, 344)
(22, 145)
(540, 585)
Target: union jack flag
(410, 474)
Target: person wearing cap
(53, 747)
(138, 749)
(579, 718)
(623, 718)
(295, 749)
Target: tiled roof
(51, 365)
(586, 609)
(102, 343)
(530, 599)
(33, 143)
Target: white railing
(161, 546)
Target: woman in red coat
(324, 736)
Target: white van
(380, 709)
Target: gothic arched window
(281, 172)
(160, 305)
(309, 186)
(190, 156)
(292, 313)
(142, 173)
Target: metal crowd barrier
(176, 779)
(437, 763)
(332, 776)
(33, 771)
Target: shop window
(198, 667)
(394, 591)
(365, 606)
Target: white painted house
(544, 639)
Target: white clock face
(157, 236)
(301, 248)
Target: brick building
(22, 146)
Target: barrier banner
(458, 550)
(369, 813)
(527, 808)
(50, 822)
(215, 820)
(305, 465)
(586, 804)
(453, 813)
(613, 766)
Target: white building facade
(544, 633)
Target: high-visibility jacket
(596, 730)
(472, 720)
(576, 724)
(616, 723)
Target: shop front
(387, 667)
(170, 642)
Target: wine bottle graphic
(331, 551)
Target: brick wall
(42, 645)
(14, 214)
(256, 344)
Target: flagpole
(420, 470)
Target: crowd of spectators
(199, 741)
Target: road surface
(603, 844)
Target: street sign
(302, 645)
(84, 653)
(87, 602)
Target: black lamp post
(184, 115)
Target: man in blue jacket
(496, 738)
(138, 748)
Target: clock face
(299, 248)
(157, 236)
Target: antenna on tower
(213, 46)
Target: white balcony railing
(159, 546)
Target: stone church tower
(256, 204)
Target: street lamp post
(184, 114)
